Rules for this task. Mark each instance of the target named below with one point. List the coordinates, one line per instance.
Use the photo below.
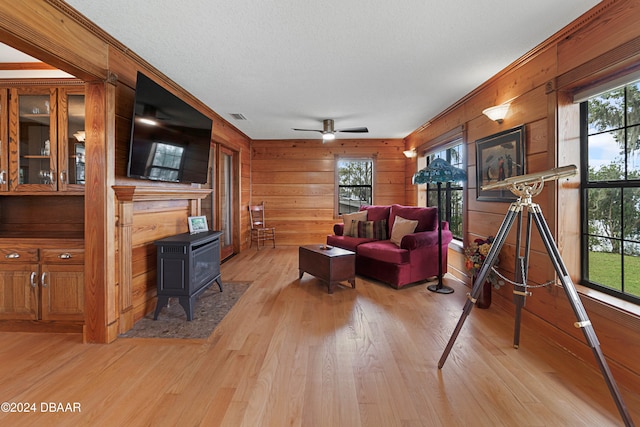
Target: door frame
(216, 208)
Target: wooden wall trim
(429, 144)
(41, 82)
(137, 193)
(125, 272)
(26, 66)
(611, 64)
(58, 38)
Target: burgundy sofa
(416, 258)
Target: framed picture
(198, 224)
(498, 157)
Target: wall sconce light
(497, 113)
(410, 153)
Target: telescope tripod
(520, 290)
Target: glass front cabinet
(4, 139)
(46, 139)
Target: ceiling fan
(329, 133)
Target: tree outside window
(611, 192)
(355, 184)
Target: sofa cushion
(427, 217)
(402, 227)
(346, 242)
(373, 229)
(384, 251)
(348, 219)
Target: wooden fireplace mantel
(136, 193)
(127, 196)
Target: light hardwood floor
(289, 353)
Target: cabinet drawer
(9, 254)
(67, 256)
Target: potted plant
(475, 254)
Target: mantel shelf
(135, 193)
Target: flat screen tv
(170, 139)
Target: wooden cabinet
(46, 139)
(4, 139)
(44, 283)
(41, 163)
(71, 136)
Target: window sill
(609, 300)
(456, 245)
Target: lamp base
(440, 289)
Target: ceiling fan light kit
(329, 133)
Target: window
(610, 141)
(355, 184)
(166, 162)
(451, 193)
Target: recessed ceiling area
(390, 67)
(18, 65)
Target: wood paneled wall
(601, 44)
(296, 180)
(55, 33)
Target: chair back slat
(259, 230)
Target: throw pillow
(349, 218)
(373, 229)
(427, 217)
(402, 227)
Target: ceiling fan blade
(309, 130)
(354, 130)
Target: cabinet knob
(3, 177)
(12, 255)
(32, 279)
(63, 177)
(65, 255)
(42, 280)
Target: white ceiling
(283, 64)
(9, 54)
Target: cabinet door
(62, 288)
(71, 135)
(18, 291)
(33, 139)
(4, 138)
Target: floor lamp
(439, 171)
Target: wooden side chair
(259, 230)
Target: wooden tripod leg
(519, 297)
(490, 260)
(581, 314)
(518, 290)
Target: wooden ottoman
(332, 265)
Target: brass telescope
(534, 178)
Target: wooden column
(125, 272)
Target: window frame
(586, 185)
(338, 185)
